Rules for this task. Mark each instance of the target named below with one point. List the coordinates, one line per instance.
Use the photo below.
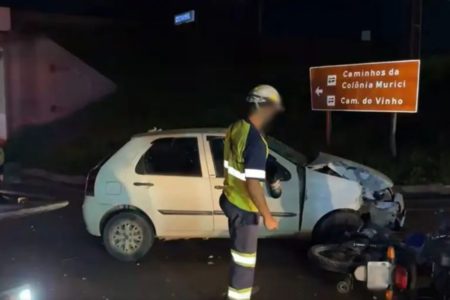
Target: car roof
(156, 132)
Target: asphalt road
(54, 255)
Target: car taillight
(400, 278)
(92, 176)
(390, 254)
(90, 180)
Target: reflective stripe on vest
(233, 172)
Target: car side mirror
(274, 189)
(275, 171)
(275, 174)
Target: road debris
(22, 200)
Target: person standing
(243, 200)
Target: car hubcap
(127, 237)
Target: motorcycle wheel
(335, 258)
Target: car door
(174, 175)
(285, 209)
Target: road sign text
(379, 87)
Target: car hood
(369, 178)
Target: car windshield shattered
(286, 151)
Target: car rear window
(171, 156)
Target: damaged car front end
(382, 206)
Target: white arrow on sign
(319, 91)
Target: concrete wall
(45, 82)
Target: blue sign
(185, 17)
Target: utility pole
(415, 42)
(416, 28)
(260, 17)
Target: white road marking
(33, 210)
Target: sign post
(393, 136)
(368, 87)
(328, 128)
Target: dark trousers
(243, 227)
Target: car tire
(334, 227)
(128, 236)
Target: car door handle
(218, 187)
(143, 184)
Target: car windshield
(286, 151)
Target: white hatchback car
(166, 184)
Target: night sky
(388, 20)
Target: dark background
(198, 74)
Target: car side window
(216, 145)
(171, 156)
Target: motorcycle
(389, 276)
(370, 256)
(433, 253)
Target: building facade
(40, 81)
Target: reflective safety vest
(245, 155)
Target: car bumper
(390, 214)
(93, 213)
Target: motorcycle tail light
(400, 278)
(389, 294)
(390, 253)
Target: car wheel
(128, 236)
(334, 228)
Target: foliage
(211, 95)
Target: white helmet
(265, 94)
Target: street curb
(65, 179)
(415, 191)
(32, 210)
